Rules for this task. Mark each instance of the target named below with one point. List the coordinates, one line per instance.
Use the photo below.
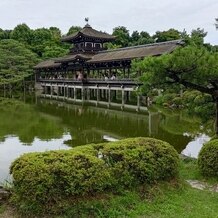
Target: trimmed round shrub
(140, 160)
(208, 159)
(43, 180)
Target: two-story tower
(88, 40)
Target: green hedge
(208, 159)
(42, 180)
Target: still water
(40, 125)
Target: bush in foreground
(44, 181)
(208, 159)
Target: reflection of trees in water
(178, 124)
(89, 124)
(50, 119)
(25, 122)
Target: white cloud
(147, 15)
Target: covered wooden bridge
(91, 73)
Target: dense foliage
(208, 159)
(190, 67)
(196, 102)
(16, 61)
(22, 47)
(43, 181)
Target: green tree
(22, 33)
(122, 36)
(135, 36)
(56, 34)
(191, 66)
(140, 38)
(74, 29)
(168, 35)
(16, 62)
(4, 34)
(197, 36)
(41, 38)
(54, 51)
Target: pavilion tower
(88, 40)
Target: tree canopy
(168, 35)
(16, 61)
(191, 66)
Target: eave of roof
(47, 64)
(73, 57)
(89, 32)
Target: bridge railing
(91, 81)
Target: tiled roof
(134, 52)
(47, 64)
(128, 53)
(88, 31)
(73, 57)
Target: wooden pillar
(64, 91)
(67, 91)
(128, 72)
(149, 123)
(88, 92)
(75, 93)
(82, 94)
(124, 72)
(130, 96)
(51, 93)
(123, 97)
(109, 95)
(110, 73)
(138, 102)
(58, 91)
(98, 95)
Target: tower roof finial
(87, 20)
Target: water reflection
(12, 147)
(49, 125)
(193, 148)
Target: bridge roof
(47, 64)
(135, 52)
(115, 55)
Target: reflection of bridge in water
(90, 124)
(111, 93)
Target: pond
(39, 125)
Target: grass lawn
(159, 202)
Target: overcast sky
(147, 15)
